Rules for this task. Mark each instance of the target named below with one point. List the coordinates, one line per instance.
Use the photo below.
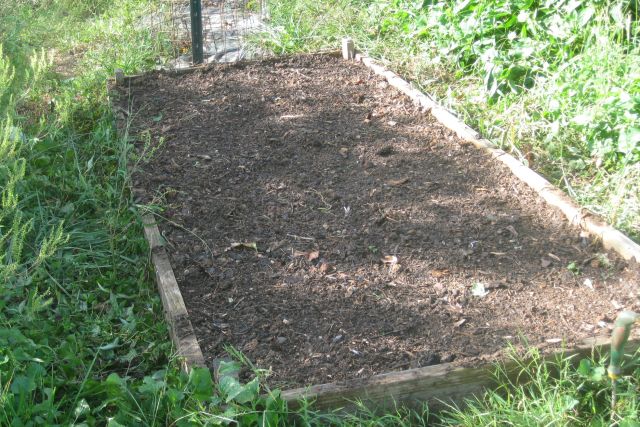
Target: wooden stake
(119, 77)
(348, 49)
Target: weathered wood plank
(436, 385)
(180, 328)
(151, 232)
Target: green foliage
(550, 393)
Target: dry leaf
(244, 245)
(459, 323)
(439, 272)
(324, 267)
(398, 182)
(556, 257)
(251, 345)
(389, 259)
(313, 255)
(545, 262)
(310, 256)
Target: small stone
(281, 340)
(337, 339)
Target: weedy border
(437, 384)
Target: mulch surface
(319, 222)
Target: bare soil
(329, 229)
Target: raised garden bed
(323, 224)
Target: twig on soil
(180, 227)
(301, 237)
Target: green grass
(552, 393)
(81, 333)
(556, 83)
(82, 340)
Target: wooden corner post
(348, 49)
(119, 77)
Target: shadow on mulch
(383, 242)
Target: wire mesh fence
(226, 27)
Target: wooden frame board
(438, 384)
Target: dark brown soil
(288, 187)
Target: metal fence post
(196, 32)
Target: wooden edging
(438, 384)
(611, 238)
(180, 328)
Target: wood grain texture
(181, 330)
(611, 238)
(438, 385)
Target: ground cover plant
(555, 82)
(82, 341)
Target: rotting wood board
(182, 334)
(439, 385)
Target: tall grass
(80, 329)
(555, 82)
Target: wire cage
(226, 28)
